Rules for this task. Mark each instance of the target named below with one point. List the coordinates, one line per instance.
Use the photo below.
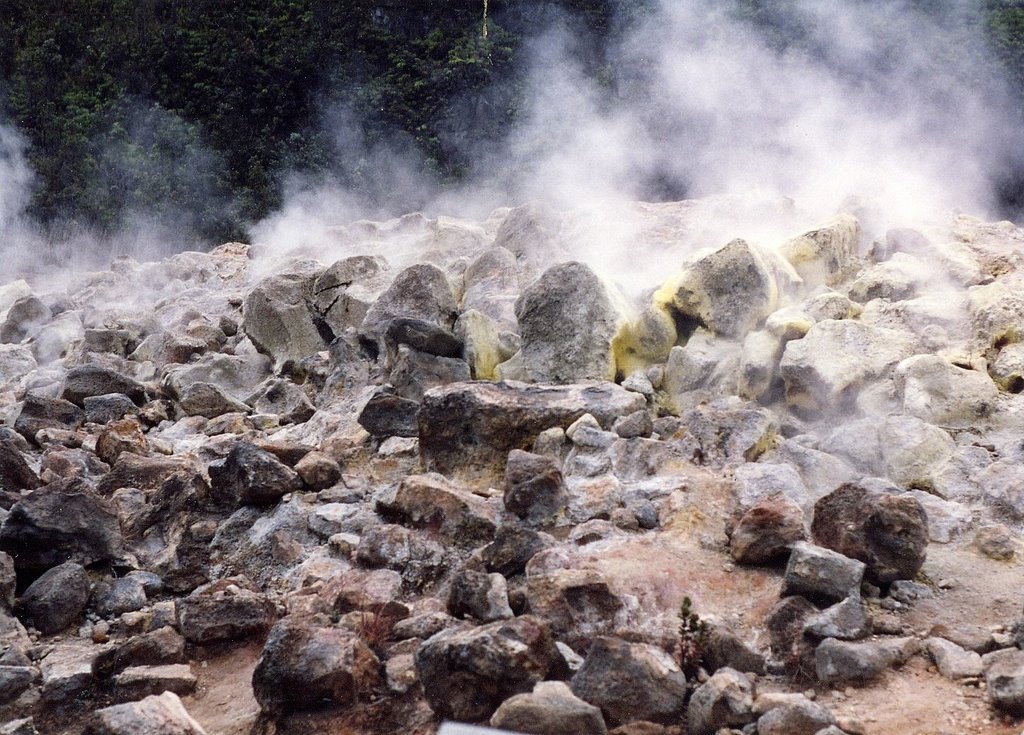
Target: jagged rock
(848, 620)
(421, 336)
(16, 361)
(534, 488)
(14, 681)
(576, 603)
(208, 400)
(725, 700)
(467, 672)
(798, 716)
(282, 398)
(388, 415)
(23, 726)
(92, 380)
(636, 424)
(23, 317)
(942, 393)
(822, 256)
(305, 665)
(756, 482)
(318, 470)
(343, 293)
(15, 473)
(828, 367)
(154, 715)
(512, 548)
(416, 372)
(886, 531)
(705, 366)
(996, 310)
(844, 661)
(61, 521)
(821, 574)
(228, 609)
(952, 661)
(894, 280)
(251, 476)
(758, 364)
(568, 320)
(277, 319)
(120, 436)
(421, 292)
(726, 650)
(631, 681)
(58, 338)
(470, 427)
(729, 291)
(144, 473)
(479, 595)
(106, 408)
(38, 413)
(765, 532)
(234, 374)
(431, 501)
(126, 594)
(156, 647)
(550, 709)
(785, 624)
(1004, 680)
(8, 581)
(728, 432)
(137, 682)
(68, 681)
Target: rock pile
(477, 480)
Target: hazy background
(332, 112)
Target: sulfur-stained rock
(707, 366)
(824, 255)
(467, 672)
(486, 344)
(471, 427)
(828, 367)
(941, 393)
(759, 364)
(729, 291)
(568, 319)
(886, 531)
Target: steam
(15, 182)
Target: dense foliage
(195, 111)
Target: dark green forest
(197, 111)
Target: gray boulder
(951, 660)
(630, 682)
(729, 291)
(843, 661)
(386, 414)
(568, 320)
(534, 488)
(57, 599)
(468, 672)
(824, 255)
(797, 716)
(847, 621)
(414, 372)
(39, 412)
(344, 292)
(420, 291)
(208, 400)
(725, 700)
(1004, 679)
(821, 574)
(93, 380)
(161, 714)
(277, 319)
(939, 392)
(550, 709)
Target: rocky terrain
(447, 470)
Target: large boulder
(1004, 678)
(235, 375)
(838, 661)
(550, 709)
(229, 609)
(824, 255)
(887, 531)
(251, 476)
(467, 672)
(85, 381)
(56, 600)
(155, 715)
(277, 319)
(821, 574)
(431, 501)
(62, 521)
(941, 393)
(420, 291)
(305, 665)
(631, 681)
(828, 367)
(729, 291)
(39, 412)
(466, 427)
(568, 320)
(344, 292)
(725, 700)
(534, 488)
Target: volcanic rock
(765, 532)
(251, 476)
(421, 292)
(822, 574)
(277, 318)
(57, 598)
(550, 709)
(228, 609)
(725, 700)
(154, 715)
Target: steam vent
(505, 474)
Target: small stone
(996, 542)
